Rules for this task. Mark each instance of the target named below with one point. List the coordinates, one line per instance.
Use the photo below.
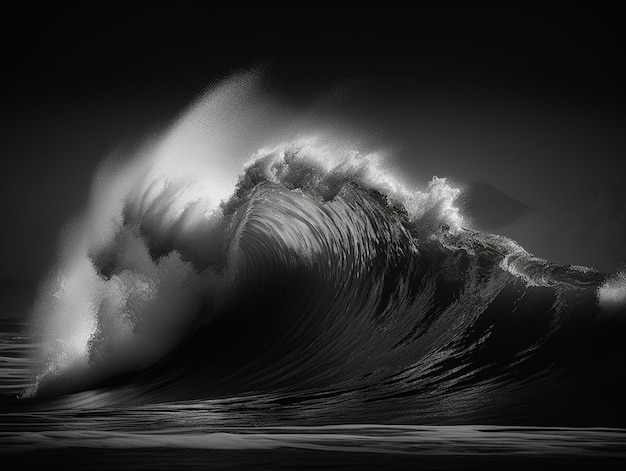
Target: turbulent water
(226, 291)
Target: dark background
(526, 97)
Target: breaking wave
(310, 275)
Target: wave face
(316, 286)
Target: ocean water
(303, 307)
(103, 429)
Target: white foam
(612, 293)
(321, 166)
(91, 325)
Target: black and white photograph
(313, 236)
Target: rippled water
(222, 434)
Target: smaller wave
(531, 270)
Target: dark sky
(526, 97)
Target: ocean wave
(314, 274)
